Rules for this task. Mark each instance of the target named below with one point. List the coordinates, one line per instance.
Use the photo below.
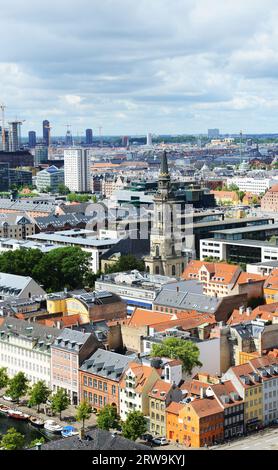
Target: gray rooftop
(42, 336)
(107, 364)
(249, 228)
(90, 241)
(188, 297)
(71, 340)
(97, 440)
(11, 284)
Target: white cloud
(161, 65)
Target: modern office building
(32, 139)
(21, 158)
(46, 132)
(252, 185)
(14, 135)
(149, 140)
(20, 178)
(41, 154)
(50, 178)
(77, 170)
(89, 136)
(4, 177)
(213, 133)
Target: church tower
(166, 257)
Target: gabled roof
(142, 373)
(160, 390)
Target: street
(265, 440)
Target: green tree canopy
(17, 386)
(126, 263)
(12, 440)
(108, 418)
(63, 190)
(4, 379)
(83, 412)
(34, 443)
(134, 426)
(63, 267)
(60, 401)
(39, 394)
(177, 348)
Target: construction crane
(3, 107)
(100, 135)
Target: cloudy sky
(164, 66)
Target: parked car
(160, 441)
(6, 398)
(147, 437)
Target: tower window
(157, 250)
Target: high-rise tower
(46, 132)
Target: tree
(12, 440)
(134, 426)
(55, 270)
(17, 386)
(108, 418)
(36, 442)
(177, 348)
(60, 401)
(4, 379)
(63, 190)
(126, 263)
(39, 394)
(84, 411)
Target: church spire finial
(164, 170)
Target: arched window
(148, 269)
(157, 250)
(173, 270)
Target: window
(85, 381)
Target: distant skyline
(159, 66)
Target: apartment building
(269, 202)
(249, 386)
(135, 385)
(222, 279)
(77, 170)
(26, 347)
(17, 226)
(195, 422)
(160, 396)
(100, 376)
(68, 352)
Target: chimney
(249, 311)
(202, 393)
(241, 310)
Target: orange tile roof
(220, 273)
(160, 390)
(206, 407)
(174, 408)
(272, 281)
(245, 278)
(194, 387)
(226, 388)
(142, 317)
(186, 323)
(142, 373)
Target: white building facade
(77, 170)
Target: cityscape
(139, 269)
